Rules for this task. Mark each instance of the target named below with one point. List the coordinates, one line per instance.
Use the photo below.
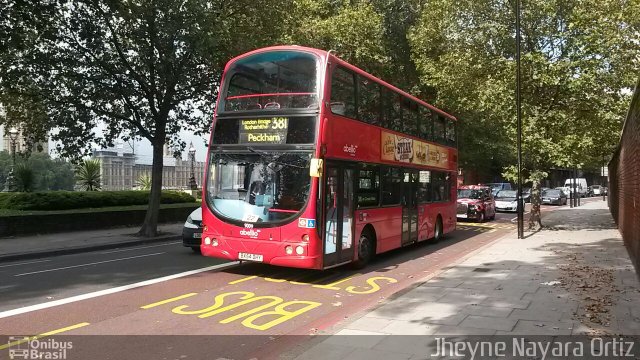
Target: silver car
(192, 231)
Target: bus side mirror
(315, 168)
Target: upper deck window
(272, 80)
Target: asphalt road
(101, 293)
(24, 283)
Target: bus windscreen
(260, 186)
(272, 80)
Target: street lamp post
(520, 206)
(192, 156)
(10, 184)
(604, 180)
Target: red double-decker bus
(315, 163)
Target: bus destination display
(264, 131)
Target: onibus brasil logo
(22, 347)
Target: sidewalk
(572, 278)
(34, 246)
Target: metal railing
(624, 181)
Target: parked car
(475, 202)
(580, 185)
(595, 190)
(565, 189)
(495, 187)
(605, 190)
(506, 200)
(192, 230)
(526, 195)
(554, 197)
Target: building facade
(21, 142)
(122, 171)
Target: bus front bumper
(262, 251)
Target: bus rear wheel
(365, 250)
(437, 232)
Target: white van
(581, 186)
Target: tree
(88, 174)
(140, 69)
(354, 30)
(577, 60)
(51, 174)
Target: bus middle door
(410, 207)
(338, 215)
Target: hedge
(66, 200)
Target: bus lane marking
(371, 286)
(162, 302)
(268, 306)
(263, 312)
(40, 336)
(243, 279)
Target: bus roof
(323, 55)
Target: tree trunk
(536, 200)
(150, 225)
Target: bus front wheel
(365, 250)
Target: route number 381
(279, 123)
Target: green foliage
(65, 200)
(48, 174)
(88, 174)
(5, 166)
(25, 177)
(354, 30)
(142, 69)
(577, 60)
(144, 181)
(51, 174)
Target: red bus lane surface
(252, 299)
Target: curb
(88, 248)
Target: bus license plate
(250, 257)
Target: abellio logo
(252, 233)
(350, 149)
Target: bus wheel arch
(366, 246)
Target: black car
(192, 231)
(554, 197)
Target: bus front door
(338, 215)
(410, 207)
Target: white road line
(88, 264)
(50, 304)
(25, 263)
(139, 247)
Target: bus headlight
(207, 241)
(288, 250)
(214, 242)
(299, 250)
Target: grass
(8, 212)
